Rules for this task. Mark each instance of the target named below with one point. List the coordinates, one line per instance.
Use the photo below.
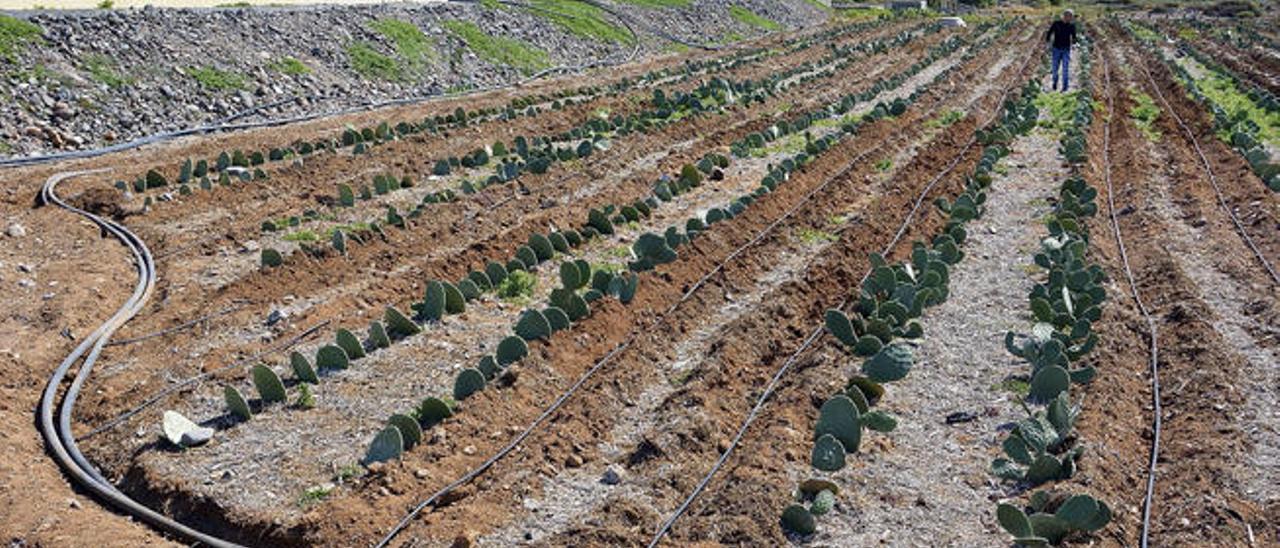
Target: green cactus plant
(1080, 513)
(387, 445)
(410, 431)
(541, 247)
(496, 273)
(557, 318)
(432, 308)
(510, 350)
(822, 503)
(378, 335)
(526, 256)
(839, 417)
(796, 519)
(346, 197)
(302, 368)
(271, 258)
(270, 388)
(891, 363)
(332, 357)
(432, 411)
(350, 344)
(454, 302)
(482, 280)
(828, 454)
(533, 325)
(489, 366)
(399, 324)
(469, 382)
(236, 403)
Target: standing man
(1062, 34)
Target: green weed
(301, 236)
(15, 35)
(816, 237)
(1144, 115)
(290, 66)
(517, 286)
(884, 165)
(945, 119)
(581, 19)
(412, 46)
(749, 18)
(102, 69)
(367, 62)
(217, 80)
(517, 54)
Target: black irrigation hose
(815, 334)
(224, 124)
(1142, 309)
(1213, 179)
(59, 437)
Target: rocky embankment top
(88, 78)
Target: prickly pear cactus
(399, 324)
(828, 454)
(387, 445)
(378, 335)
(269, 386)
(533, 325)
(350, 344)
(410, 431)
(454, 302)
(271, 258)
(433, 411)
(839, 417)
(469, 382)
(302, 368)
(822, 503)
(796, 519)
(512, 349)
(891, 363)
(332, 357)
(236, 403)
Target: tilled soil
(683, 370)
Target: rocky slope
(83, 79)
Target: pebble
(573, 461)
(16, 230)
(611, 476)
(73, 503)
(469, 450)
(276, 316)
(22, 267)
(26, 282)
(420, 473)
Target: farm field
(869, 282)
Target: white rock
(16, 231)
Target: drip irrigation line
(1152, 351)
(659, 321)
(151, 400)
(180, 327)
(59, 437)
(1213, 179)
(814, 335)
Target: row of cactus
(1239, 132)
(883, 318)
(1044, 447)
(203, 171)
(346, 348)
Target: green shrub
(514, 53)
(517, 285)
(102, 69)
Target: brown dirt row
(448, 255)
(1198, 498)
(1257, 207)
(589, 415)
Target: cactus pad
(510, 350)
(236, 403)
(410, 432)
(469, 382)
(302, 368)
(839, 417)
(828, 454)
(332, 357)
(399, 324)
(348, 342)
(270, 389)
(891, 363)
(387, 445)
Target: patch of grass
(217, 80)
(658, 4)
(884, 165)
(581, 19)
(413, 47)
(5, 147)
(863, 14)
(1145, 33)
(683, 377)
(621, 252)
(816, 237)
(1016, 386)
(102, 69)
(15, 35)
(1060, 107)
(517, 286)
(1144, 114)
(301, 236)
(749, 18)
(313, 495)
(367, 62)
(1188, 33)
(1239, 107)
(106, 4)
(945, 119)
(511, 52)
(289, 65)
(350, 471)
